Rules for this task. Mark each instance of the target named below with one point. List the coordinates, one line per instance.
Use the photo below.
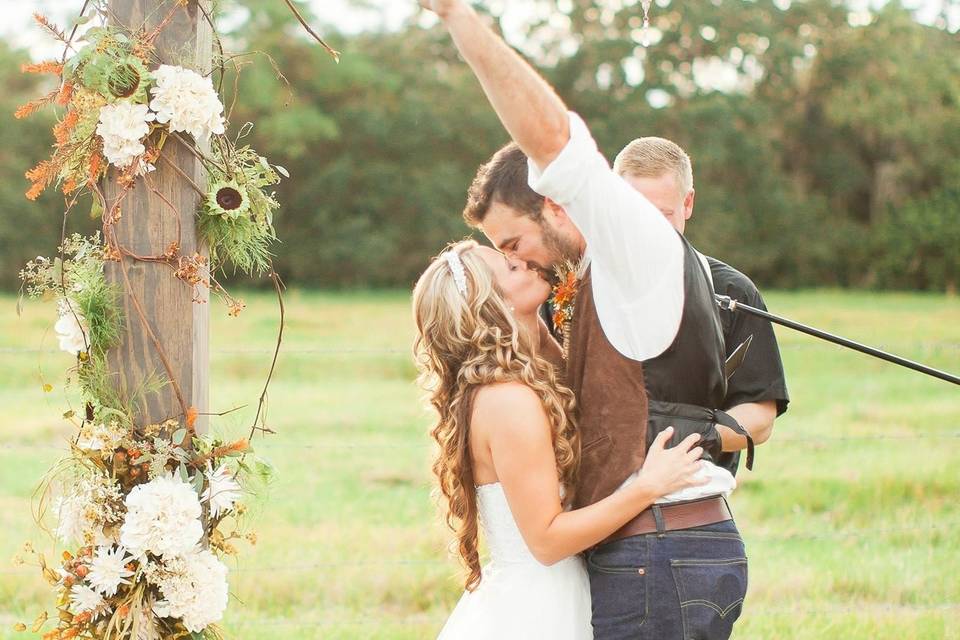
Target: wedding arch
(146, 501)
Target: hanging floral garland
(146, 511)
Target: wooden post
(147, 227)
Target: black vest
(690, 371)
(686, 385)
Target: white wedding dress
(519, 598)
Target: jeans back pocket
(711, 595)
(618, 586)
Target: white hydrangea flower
(163, 517)
(71, 328)
(122, 127)
(194, 589)
(186, 101)
(222, 491)
(83, 599)
(108, 569)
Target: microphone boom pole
(729, 304)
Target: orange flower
(27, 109)
(559, 318)
(34, 106)
(66, 92)
(41, 175)
(191, 417)
(94, 170)
(48, 66)
(62, 130)
(83, 618)
(34, 191)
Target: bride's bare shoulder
(511, 406)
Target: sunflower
(123, 77)
(227, 199)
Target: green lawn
(850, 517)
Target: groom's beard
(560, 250)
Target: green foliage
(236, 217)
(918, 244)
(77, 275)
(811, 162)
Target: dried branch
(333, 52)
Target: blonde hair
(464, 342)
(652, 157)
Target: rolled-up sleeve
(636, 255)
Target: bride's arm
(511, 420)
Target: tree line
(824, 141)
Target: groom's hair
(502, 180)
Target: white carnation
(122, 127)
(108, 569)
(194, 589)
(222, 491)
(187, 101)
(163, 517)
(70, 328)
(83, 599)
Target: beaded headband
(456, 268)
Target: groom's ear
(556, 213)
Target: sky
(346, 15)
(17, 24)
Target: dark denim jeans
(687, 584)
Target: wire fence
(913, 346)
(764, 611)
(750, 539)
(426, 445)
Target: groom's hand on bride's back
(668, 469)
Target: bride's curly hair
(464, 342)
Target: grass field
(850, 518)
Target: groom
(643, 345)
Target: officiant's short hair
(502, 180)
(651, 157)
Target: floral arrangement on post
(146, 511)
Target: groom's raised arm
(532, 113)
(637, 256)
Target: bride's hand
(666, 470)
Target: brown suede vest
(612, 401)
(623, 403)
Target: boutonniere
(564, 298)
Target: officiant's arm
(510, 422)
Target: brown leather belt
(673, 516)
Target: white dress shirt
(636, 258)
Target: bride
(508, 446)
